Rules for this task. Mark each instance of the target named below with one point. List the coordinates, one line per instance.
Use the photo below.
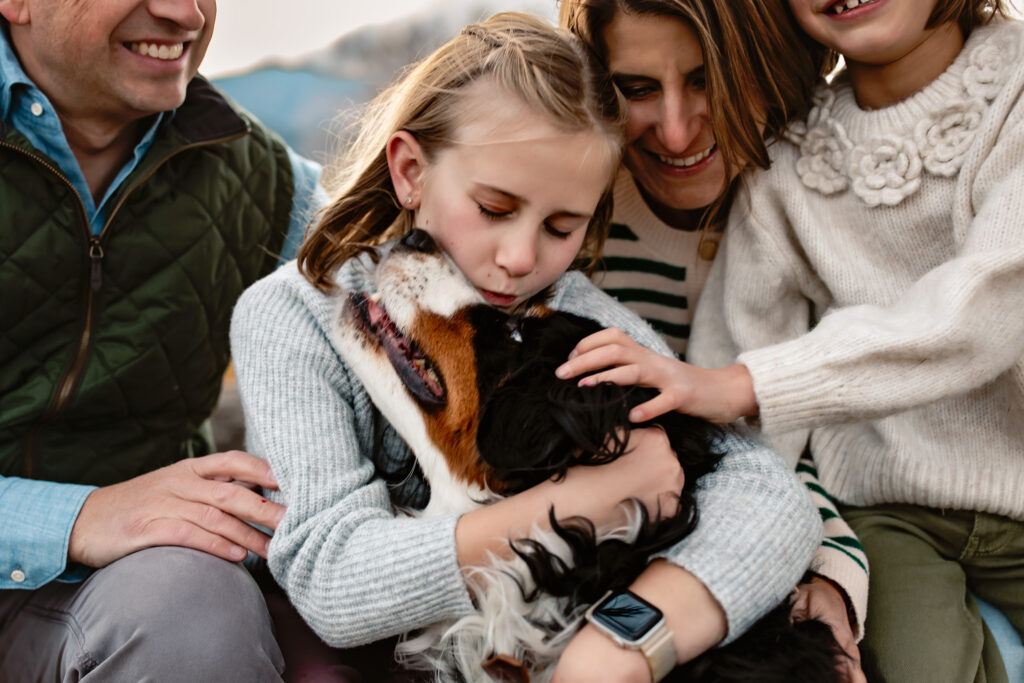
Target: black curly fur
(772, 651)
(534, 426)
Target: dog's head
(475, 384)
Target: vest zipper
(65, 385)
(70, 380)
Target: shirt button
(36, 109)
(18, 576)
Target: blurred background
(304, 66)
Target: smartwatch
(635, 624)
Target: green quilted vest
(112, 348)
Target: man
(135, 206)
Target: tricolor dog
(472, 391)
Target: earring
(408, 199)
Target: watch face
(627, 615)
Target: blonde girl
(502, 145)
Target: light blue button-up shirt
(38, 515)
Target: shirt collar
(11, 73)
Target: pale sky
(249, 31)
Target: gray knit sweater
(873, 283)
(358, 572)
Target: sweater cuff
(757, 532)
(849, 575)
(789, 385)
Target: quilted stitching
(208, 222)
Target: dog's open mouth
(417, 372)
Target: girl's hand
(722, 395)
(693, 615)
(593, 656)
(649, 472)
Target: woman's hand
(820, 599)
(722, 395)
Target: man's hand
(722, 395)
(193, 503)
(819, 599)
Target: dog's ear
(536, 426)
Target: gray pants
(161, 614)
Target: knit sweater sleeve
(757, 528)
(721, 331)
(353, 569)
(932, 341)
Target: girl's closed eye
(494, 213)
(557, 233)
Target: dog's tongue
(374, 313)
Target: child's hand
(722, 395)
(593, 656)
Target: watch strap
(660, 651)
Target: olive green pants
(923, 625)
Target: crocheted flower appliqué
(822, 157)
(986, 65)
(824, 146)
(886, 171)
(945, 137)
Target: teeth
(842, 7)
(686, 161)
(165, 52)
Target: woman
(694, 125)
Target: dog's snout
(419, 240)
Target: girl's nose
(517, 252)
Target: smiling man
(136, 204)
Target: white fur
(536, 631)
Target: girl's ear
(406, 165)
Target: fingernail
(561, 372)
(636, 416)
(239, 553)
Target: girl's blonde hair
(546, 67)
(760, 68)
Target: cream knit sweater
(658, 272)
(873, 283)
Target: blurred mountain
(310, 101)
